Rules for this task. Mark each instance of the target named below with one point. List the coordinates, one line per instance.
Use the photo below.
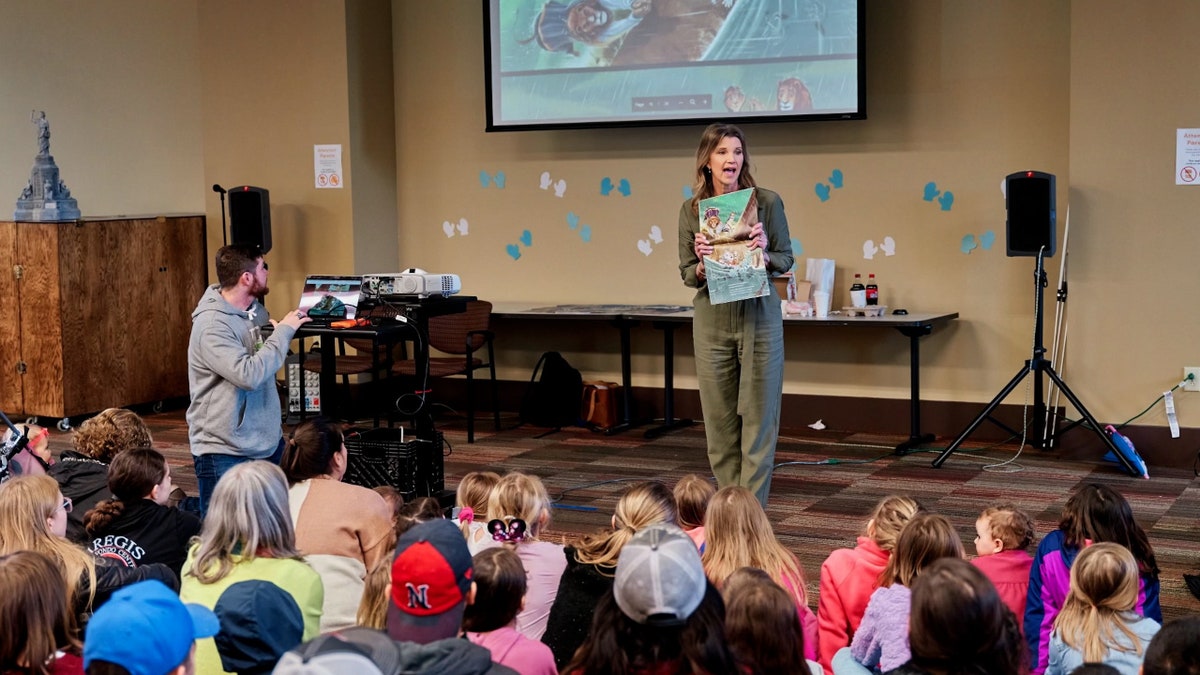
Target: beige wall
(1134, 232)
(171, 97)
(120, 84)
(958, 93)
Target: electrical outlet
(1192, 384)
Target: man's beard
(258, 290)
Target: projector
(412, 282)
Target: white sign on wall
(327, 166)
(1187, 156)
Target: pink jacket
(1009, 572)
(510, 648)
(848, 577)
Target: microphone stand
(221, 191)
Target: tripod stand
(1037, 365)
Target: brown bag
(600, 404)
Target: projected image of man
(592, 22)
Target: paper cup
(821, 300)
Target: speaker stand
(1037, 366)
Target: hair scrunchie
(466, 515)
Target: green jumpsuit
(740, 404)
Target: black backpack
(554, 393)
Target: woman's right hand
(701, 246)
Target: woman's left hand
(758, 239)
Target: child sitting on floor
(1002, 533)
(1097, 622)
(850, 575)
(490, 621)
(692, 493)
(471, 501)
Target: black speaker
(1029, 198)
(250, 216)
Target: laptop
(329, 298)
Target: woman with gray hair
(248, 535)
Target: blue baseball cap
(146, 629)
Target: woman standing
(738, 345)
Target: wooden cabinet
(96, 313)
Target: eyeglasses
(67, 505)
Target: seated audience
(1002, 535)
(882, 638)
(33, 517)
(40, 636)
(471, 500)
(518, 512)
(431, 587)
(247, 535)
(372, 609)
(1095, 513)
(146, 630)
(82, 473)
(1175, 650)
(1097, 623)
(419, 510)
(739, 535)
(662, 615)
(960, 624)
(692, 494)
(850, 575)
(136, 527)
(490, 620)
(259, 622)
(592, 563)
(362, 651)
(762, 626)
(342, 529)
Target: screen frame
(492, 125)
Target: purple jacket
(881, 641)
(1049, 582)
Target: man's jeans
(210, 468)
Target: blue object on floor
(1125, 447)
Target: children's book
(733, 270)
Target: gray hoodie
(235, 408)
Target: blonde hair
(27, 503)
(247, 518)
(739, 535)
(1012, 526)
(473, 492)
(888, 519)
(372, 609)
(926, 537)
(642, 504)
(110, 432)
(1104, 589)
(692, 494)
(519, 495)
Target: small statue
(63, 191)
(38, 117)
(28, 191)
(47, 190)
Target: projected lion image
(792, 95)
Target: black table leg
(915, 437)
(669, 422)
(627, 422)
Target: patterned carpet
(819, 503)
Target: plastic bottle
(858, 293)
(872, 291)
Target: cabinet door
(42, 315)
(11, 394)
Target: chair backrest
(448, 333)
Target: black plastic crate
(377, 457)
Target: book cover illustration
(733, 270)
